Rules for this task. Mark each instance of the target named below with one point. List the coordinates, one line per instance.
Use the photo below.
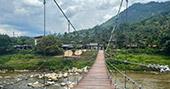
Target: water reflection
(147, 80)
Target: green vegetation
(50, 63)
(148, 29)
(142, 58)
(155, 30)
(136, 12)
(4, 44)
(146, 33)
(50, 44)
(7, 43)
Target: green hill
(146, 22)
(139, 11)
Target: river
(147, 80)
(20, 81)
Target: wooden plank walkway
(97, 77)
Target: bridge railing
(128, 78)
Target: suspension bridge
(97, 77)
(100, 75)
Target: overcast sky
(25, 17)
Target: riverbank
(141, 58)
(39, 63)
(35, 80)
(148, 80)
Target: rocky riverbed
(38, 80)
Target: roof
(67, 45)
(93, 44)
(154, 46)
(38, 37)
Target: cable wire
(130, 79)
(66, 17)
(116, 78)
(115, 25)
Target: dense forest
(150, 34)
(153, 30)
(145, 33)
(148, 25)
(7, 43)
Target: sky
(25, 17)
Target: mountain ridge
(148, 10)
(101, 33)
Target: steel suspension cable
(66, 17)
(116, 78)
(126, 40)
(130, 79)
(115, 24)
(131, 62)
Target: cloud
(73, 10)
(35, 3)
(107, 4)
(106, 17)
(21, 11)
(27, 15)
(9, 30)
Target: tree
(167, 47)
(4, 44)
(50, 44)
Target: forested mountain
(149, 25)
(148, 32)
(136, 12)
(139, 11)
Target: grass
(146, 58)
(52, 63)
(142, 58)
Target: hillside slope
(139, 11)
(101, 33)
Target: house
(19, 47)
(134, 46)
(67, 46)
(154, 46)
(92, 45)
(112, 41)
(37, 38)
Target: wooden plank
(97, 77)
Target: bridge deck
(97, 77)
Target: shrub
(29, 56)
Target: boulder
(76, 73)
(60, 75)
(70, 74)
(63, 84)
(65, 75)
(70, 86)
(54, 78)
(41, 76)
(36, 84)
(31, 76)
(49, 83)
(80, 70)
(7, 77)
